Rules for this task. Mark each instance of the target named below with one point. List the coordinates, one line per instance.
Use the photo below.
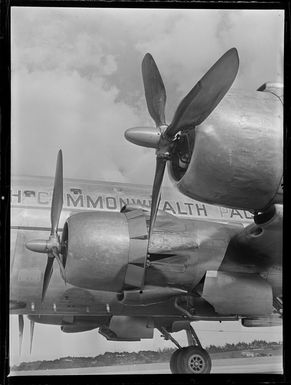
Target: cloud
(54, 40)
(200, 37)
(57, 109)
(76, 79)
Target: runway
(272, 365)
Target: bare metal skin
(130, 260)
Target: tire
(194, 360)
(174, 360)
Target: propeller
(52, 247)
(31, 335)
(21, 328)
(154, 90)
(196, 106)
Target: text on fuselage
(115, 203)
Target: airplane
(134, 258)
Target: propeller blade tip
(60, 153)
(147, 55)
(233, 51)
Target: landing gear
(192, 359)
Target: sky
(77, 85)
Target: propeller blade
(31, 335)
(57, 200)
(206, 94)
(58, 258)
(47, 275)
(21, 328)
(155, 92)
(160, 169)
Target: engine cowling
(235, 157)
(108, 251)
(97, 250)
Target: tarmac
(270, 365)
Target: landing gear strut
(191, 359)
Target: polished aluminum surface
(237, 160)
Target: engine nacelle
(108, 251)
(236, 154)
(238, 293)
(97, 250)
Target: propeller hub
(43, 246)
(38, 245)
(165, 148)
(144, 136)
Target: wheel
(173, 360)
(193, 359)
